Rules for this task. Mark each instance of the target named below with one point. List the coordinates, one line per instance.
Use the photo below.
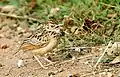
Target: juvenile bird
(43, 40)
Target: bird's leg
(48, 60)
(39, 62)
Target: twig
(109, 5)
(20, 17)
(102, 54)
(111, 18)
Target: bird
(43, 40)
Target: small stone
(1, 65)
(20, 63)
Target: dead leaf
(32, 4)
(93, 25)
(68, 22)
(88, 24)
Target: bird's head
(56, 28)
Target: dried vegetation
(89, 26)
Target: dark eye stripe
(52, 25)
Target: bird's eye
(52, 26)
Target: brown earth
(81, 66)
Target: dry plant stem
(111, 18)
(108, 5)
(102, 54)
(19, 17)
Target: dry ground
(10, 40)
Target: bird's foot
(40, 63)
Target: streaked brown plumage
(43, 40)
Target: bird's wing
(35, 41)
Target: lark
(43, 40)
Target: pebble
(20, 63)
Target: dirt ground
(81, 66)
